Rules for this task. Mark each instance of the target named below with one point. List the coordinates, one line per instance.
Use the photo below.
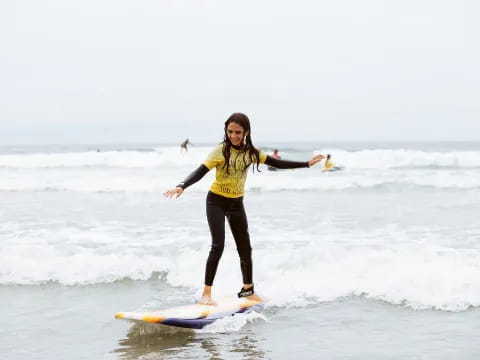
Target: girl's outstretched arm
(191, 179)
(287, 164)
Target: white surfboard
(194, 316)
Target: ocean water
(380, 260)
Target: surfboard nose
(119, 315)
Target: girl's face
(236, 134)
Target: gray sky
(95, 71)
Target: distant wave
(171, 157)
(409, 159)
(167, 157)
(157, 180)
(147, 171)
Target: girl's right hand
(174, 192)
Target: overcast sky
(95, 71)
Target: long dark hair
(248, 149)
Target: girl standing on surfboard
(232, 158)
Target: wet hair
(249, 151)
(328, 156)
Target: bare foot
(207, 300)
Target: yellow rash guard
(328, 165)
(230, 185)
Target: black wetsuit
(219, 208)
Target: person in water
(276, 156)
(183, 145)
(328, 163)
(232, 159)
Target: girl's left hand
(174, 192)
(315, 159)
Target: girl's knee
(217, 249)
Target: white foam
(233, 323)
(418, 274)
(158, 180)
(296, 269)
(310, 270)
(74, 256)
(162, 157)
(387, 159)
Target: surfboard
(333, 168)
(195, 316)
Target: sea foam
(291, 270)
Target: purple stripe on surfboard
(200, 323)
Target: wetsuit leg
(216, 222)
(237, 219)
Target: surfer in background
(183, 145)
(232, 158)
(276, 156)
(329, 165)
